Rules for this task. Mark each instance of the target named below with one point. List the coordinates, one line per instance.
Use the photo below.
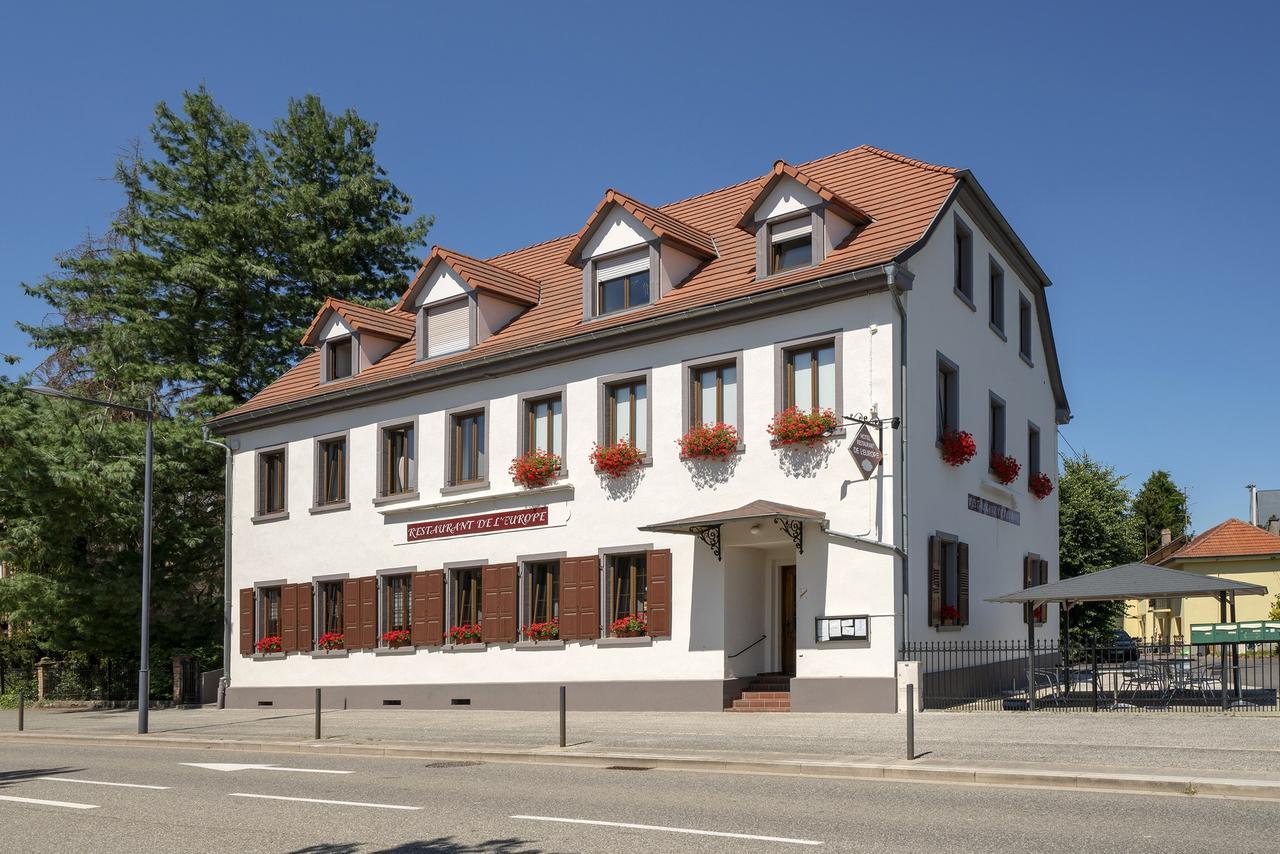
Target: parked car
(1122, 647)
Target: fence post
(317, 714)
(1095, 679)
(911, 721)
(562, 716)
(22, 704)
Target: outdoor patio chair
(1150, 677)
(1204, 679)
(1049, 681)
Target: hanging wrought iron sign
(865, 452)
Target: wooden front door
(787, 618)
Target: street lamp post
(144, 667)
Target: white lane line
(43, 803)
(323, 801)
(100, 783)
(670, 829)
(239, 766)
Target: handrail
(748, 646)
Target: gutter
(590, 342)
(863, 541)
(225, 682)
(899, 281)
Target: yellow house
(1235, 550)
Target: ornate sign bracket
(794, 529)
(709, 534)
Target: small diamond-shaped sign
(865, 452)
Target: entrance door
(787, 618)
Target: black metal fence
(992, 675)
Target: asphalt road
(56, 798)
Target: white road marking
(235, 766)
(670, 829)
(323, 801)
(67, 804)
(100, 783)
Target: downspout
(900, 280)
(225, 682)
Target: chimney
(1253, 504)
(1166, 537)
(1273, 525)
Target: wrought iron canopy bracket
(709, 534)
(794, 529)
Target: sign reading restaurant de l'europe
(505, 520)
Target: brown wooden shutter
(433, 613)
(351, 614)
(369, 612)
(579, 598)
(289, 618)
(962, 576)
(418, 627)
(246, 621)
(1042, 578)
(306, 597)
(935, 581)
(658, 570)
(499, 616)
(1028, 580)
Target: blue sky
(1133, 147)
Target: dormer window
(790, 244)
(338, 362)
(622, 282)
(447, 326)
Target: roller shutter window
(622, 282)
(448, 326)
(791, 244)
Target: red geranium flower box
(332, 640)
(950, 615)
(709, 442)
(1005, 467)
(465, 633)
(630, 626)
(396, 638)
(616, 460)
(269, 644)
(534, 469)
(795, 426)
(1041, 486)
(958, 447)
(548, 630)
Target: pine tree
(1159, 504)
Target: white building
(372, 494)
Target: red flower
(709, 441)
(549, 630)
(271, 643)
(1006, 468)
(465, 633)
(534, 469)
(1041, 486)
(958, 447)
(616, 460)
(396, 638)
(950, 613)
(332, 640)
(795, 426)
(632, 625)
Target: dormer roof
(664, 226)
(782, 171)
(394, 325)
(480, 275)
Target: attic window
(448, 327)
(338, 361)
(622, 282)
(790, 244)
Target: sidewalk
(1150, 752)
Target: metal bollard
(562, 716)
(317, 714)
(911, 721)
(22, 704)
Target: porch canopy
(1130, 581)
(707, 526)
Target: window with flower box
(626, 413)
(713, 394)
(269, 623)
(397, 603)
(627, 586)
(329, 616)
(948, 581)
(948, 391)
(997, 413)
(541, 592)
(544, 425)
(1033, 450)
(809, 377)
(466, 603)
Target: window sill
(619, 313)
(270, 517)
(393, 499)
(546, 644)
(330, 653)
(947, 628)
(964, 298)
(465, 647)
(459, 488)
(646, 640)
(394, 650)
(999, 332)
(318, 509)
(833, 436)
(1027, 359)
(269, 656)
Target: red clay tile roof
(663, 225)
(902, 195)
(480, 275)
(782, 169)
(1232, 538)
(396, 325)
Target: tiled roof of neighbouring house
(1232, 538)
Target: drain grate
(627, 768)
(459, 764)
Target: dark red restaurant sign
(505, 520)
